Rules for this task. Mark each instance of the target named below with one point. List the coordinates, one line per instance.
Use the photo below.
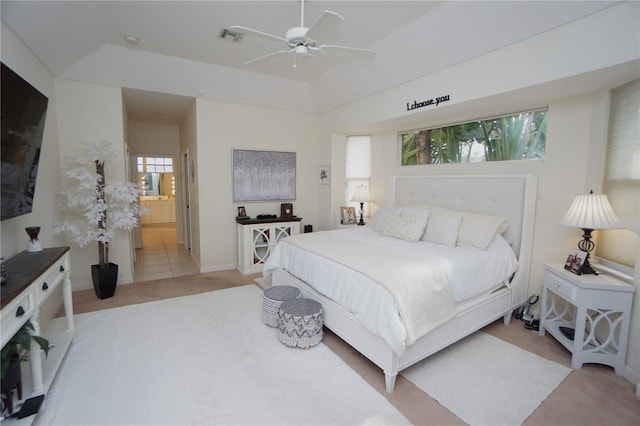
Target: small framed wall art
(324, 175)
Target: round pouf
(300, 323)
(272, 298)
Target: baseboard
(633, 377)
(217, 268)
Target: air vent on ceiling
(229, 35)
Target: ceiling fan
(303, 41)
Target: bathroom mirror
(157, 184)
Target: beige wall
(90, 113)
(527, 75)
(14, 238)
(221, 127)
(189, 147)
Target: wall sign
(437, 101)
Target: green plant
(22, 338)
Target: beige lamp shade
(361, 194)
(591, 211)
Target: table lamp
(361, 195)
(590, 212)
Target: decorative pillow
(416, 212)
(404, 228)
(381, 215)
(478, 230)
(442, 228)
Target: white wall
(90, 112)
(221, 128)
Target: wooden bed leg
(507, 318)
(390, 381)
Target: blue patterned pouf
(272, 298)
(300, 323)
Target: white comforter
(470, 272)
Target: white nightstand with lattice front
(594, 308)
(258, 237)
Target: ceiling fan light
(302, 50)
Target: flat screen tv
(23, 112)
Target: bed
(368, 278)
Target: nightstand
(596, 309)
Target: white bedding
(470, 271)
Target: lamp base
(361, 222)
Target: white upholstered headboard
(511, 196)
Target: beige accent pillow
(381, 215)
(478, 230)
(416, 212)
(403, 228)
(442, 228)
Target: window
(519, 136)
(358, 168)
(155, 165)
(622, 176)
(156, 177)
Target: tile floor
(161, 256)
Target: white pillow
(381, 215)
(477, 230)
(416, 212)
(442, 228)
(404, 228)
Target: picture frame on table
(242, 212)
(575, 261)
(348, 215)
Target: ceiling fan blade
(347, 51)
(269, 56)
(323, 25)
(258, 33)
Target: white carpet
(487, 381)
(203, 359)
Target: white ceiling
(84, 40)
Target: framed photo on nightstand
(348, 215)
(575, 261)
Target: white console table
(598, 310)
(257, 237)
(33, 277)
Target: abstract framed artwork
(263, 175)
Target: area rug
(203, 359)
(486, 381)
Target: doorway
(161, 252)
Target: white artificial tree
(95, 207)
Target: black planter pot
(12, 380)
(104, 280)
